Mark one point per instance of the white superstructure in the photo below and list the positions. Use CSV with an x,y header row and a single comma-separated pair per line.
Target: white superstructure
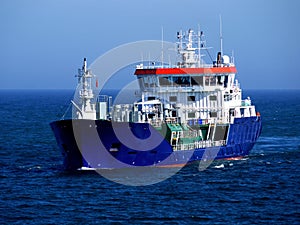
x,y
188,92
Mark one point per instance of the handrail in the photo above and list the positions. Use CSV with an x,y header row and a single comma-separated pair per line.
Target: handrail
x,y
199,144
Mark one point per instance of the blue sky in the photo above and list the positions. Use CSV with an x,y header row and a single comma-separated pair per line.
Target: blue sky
x,y
43,42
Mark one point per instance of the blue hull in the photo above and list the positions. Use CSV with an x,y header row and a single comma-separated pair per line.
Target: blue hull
x,y
95,144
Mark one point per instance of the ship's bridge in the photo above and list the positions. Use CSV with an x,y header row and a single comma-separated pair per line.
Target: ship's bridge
x,y
190,72
194,89
204,78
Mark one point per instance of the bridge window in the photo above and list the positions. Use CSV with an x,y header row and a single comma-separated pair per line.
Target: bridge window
x,y
197,80
210,81
165,81
182,80
154,81
148,81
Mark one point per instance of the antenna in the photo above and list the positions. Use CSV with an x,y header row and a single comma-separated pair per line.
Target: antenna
x,y
142,57
199,46
84,65
221,36
162,46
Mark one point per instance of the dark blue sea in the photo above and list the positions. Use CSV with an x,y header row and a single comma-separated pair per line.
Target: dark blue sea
x,y
263,188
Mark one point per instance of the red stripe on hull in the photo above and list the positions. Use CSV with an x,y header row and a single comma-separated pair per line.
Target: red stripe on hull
x,y
172,165
234,158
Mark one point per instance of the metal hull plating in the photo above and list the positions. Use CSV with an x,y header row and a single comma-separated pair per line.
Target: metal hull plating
x,y
94,144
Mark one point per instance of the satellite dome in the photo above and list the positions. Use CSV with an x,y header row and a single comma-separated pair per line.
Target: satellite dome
x,y
226,59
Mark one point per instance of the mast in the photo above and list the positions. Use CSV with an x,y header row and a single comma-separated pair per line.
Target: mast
x,y
162,47
85,109
221,36
199,46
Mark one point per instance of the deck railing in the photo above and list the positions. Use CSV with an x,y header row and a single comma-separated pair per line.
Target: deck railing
x,y
199,144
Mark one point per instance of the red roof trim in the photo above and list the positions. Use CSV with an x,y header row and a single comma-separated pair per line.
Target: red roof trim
x,y
161,71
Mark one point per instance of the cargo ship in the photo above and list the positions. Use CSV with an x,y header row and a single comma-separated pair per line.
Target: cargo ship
x,y
186,112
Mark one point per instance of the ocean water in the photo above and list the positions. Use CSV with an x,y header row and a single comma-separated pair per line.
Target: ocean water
x,y
263,188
